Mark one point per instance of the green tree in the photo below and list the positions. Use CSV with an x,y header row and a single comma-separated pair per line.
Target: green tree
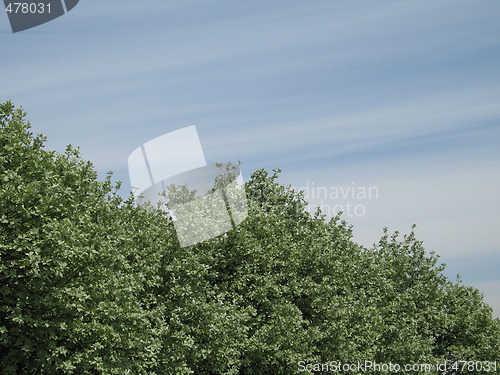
x,y
75,290
90,283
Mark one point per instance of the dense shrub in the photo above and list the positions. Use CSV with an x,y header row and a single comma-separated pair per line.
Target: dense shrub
x,y
91,284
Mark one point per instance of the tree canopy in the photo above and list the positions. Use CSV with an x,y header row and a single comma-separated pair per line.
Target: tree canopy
x,y
92,284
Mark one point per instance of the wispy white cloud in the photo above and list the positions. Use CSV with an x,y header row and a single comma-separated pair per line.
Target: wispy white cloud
x,y
360,129
353,34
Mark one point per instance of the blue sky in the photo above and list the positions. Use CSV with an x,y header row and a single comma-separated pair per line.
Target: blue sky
x,y
401,96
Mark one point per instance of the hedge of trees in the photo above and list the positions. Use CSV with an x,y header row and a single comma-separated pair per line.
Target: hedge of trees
x,y
92,284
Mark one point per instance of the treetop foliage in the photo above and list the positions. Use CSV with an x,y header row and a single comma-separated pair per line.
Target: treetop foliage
x,y
92,284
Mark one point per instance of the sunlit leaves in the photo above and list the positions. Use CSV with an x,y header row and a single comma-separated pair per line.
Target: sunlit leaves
x,y
91,284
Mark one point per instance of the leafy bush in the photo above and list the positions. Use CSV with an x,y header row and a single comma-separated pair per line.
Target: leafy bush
x,y
91,284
